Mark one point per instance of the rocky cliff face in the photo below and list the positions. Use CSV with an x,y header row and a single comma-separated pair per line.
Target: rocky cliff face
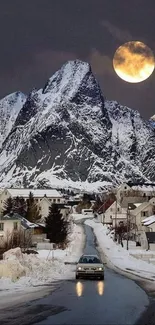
x,y
10,107
66,134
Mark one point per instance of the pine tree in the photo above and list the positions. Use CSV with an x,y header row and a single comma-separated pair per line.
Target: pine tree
x,y
32,213
8,206
20,206
57,227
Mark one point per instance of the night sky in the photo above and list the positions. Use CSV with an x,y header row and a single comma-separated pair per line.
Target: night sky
x,y
38,36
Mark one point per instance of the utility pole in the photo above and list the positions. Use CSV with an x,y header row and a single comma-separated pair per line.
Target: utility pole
x,y
115,217
128,228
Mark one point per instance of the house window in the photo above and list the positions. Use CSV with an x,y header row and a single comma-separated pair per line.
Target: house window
x,y
54,200
36,200
144,213
1,226
15,225
58,200
118,209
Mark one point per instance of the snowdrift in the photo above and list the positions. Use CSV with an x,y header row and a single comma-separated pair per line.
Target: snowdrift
x,y
43,268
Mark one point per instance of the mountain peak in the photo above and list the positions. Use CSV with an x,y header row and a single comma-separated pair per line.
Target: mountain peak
x,y
76,83
72,135
152,118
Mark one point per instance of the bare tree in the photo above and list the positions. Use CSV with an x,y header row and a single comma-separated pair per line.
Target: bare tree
x,y
20,238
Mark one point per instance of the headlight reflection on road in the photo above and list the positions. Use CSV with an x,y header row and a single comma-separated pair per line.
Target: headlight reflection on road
x,y
79,288
100,287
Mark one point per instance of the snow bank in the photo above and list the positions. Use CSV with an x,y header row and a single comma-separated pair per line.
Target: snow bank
x,y
80,218
12,269
32,270
13,254
119,256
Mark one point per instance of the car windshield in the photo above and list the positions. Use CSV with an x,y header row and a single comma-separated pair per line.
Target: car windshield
x,y
89,259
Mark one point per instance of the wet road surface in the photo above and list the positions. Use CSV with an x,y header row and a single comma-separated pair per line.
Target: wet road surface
x,y
116,300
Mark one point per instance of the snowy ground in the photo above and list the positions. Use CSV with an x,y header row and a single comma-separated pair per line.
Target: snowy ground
x,y
80,218
119,256
46,266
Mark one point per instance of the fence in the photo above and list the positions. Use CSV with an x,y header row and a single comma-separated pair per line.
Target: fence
x,y
38,238
45,245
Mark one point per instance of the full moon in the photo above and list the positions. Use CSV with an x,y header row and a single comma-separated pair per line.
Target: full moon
x,y
134,62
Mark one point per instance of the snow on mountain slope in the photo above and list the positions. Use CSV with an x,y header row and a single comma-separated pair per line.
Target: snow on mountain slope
x,y
10,106
132,139
74,82
67,131
152,121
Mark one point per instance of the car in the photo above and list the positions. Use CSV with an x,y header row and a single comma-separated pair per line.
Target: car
x,y
90,266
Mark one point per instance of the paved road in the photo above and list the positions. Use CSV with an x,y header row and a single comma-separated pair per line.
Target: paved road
x,y
116,300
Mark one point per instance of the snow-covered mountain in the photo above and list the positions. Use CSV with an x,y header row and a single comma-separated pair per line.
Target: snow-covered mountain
x,y
152,121
10,106
67,131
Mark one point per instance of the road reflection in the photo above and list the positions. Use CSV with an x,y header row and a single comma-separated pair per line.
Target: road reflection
x,y
100,287
79,288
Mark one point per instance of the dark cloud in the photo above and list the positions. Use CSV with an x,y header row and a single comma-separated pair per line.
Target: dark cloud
x,y
38,36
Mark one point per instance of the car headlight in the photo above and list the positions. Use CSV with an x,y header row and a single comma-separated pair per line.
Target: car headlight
x,y
79,268
100,268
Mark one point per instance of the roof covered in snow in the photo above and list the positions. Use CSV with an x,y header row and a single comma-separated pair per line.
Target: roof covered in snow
x,y
24,222
144,188
148,221
36,192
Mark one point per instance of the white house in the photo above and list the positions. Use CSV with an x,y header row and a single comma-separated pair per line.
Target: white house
x,y
14,223
115,213
138,215
145,190
45,203
126,194
121,190
53,196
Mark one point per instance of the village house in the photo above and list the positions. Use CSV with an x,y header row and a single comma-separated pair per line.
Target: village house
x,y
138,215
53,196
114,214
44,205
126,194
13,223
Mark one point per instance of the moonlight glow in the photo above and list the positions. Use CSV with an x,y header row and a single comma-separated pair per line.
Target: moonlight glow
x,y
134,62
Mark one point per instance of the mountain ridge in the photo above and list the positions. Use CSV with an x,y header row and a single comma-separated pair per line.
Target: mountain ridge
x,y
68,133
